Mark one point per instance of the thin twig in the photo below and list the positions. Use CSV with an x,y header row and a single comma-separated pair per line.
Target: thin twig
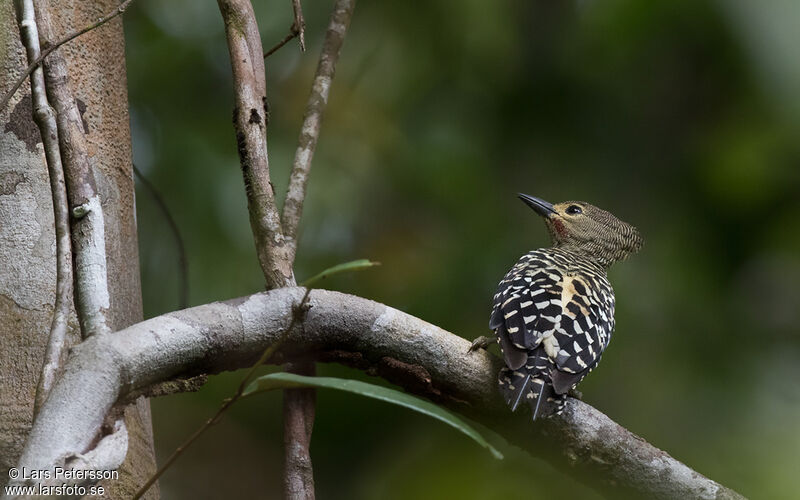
x,y
298,28
45,119
298,314
309,133
183,266
92,299
75,34
292,33
299,25
180,449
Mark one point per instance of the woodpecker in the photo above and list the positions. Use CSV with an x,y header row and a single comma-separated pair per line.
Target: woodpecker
x,y
553,312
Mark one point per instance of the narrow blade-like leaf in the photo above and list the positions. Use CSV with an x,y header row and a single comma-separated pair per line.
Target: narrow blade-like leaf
x,y
355,265
282,380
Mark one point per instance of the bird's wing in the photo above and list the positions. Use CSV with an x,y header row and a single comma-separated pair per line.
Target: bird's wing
x,y
526,300
582,333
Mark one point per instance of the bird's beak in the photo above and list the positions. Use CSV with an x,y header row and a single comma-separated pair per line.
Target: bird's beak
x,y
538,205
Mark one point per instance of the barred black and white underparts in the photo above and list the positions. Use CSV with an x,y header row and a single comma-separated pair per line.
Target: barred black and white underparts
x,y
553,316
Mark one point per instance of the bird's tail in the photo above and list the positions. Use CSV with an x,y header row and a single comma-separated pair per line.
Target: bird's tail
x,y
530,382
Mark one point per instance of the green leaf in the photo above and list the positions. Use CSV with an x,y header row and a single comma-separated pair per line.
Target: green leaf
x,y
283,380
355,265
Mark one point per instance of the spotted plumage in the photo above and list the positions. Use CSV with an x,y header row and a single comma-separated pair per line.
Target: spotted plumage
x,y
553,312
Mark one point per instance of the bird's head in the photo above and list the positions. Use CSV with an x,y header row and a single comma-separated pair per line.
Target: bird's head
x,y
587,230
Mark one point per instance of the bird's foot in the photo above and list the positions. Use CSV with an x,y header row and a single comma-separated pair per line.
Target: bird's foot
x,y
481,343
575,393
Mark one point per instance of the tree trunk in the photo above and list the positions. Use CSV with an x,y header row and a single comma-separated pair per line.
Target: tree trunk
x,y
96,63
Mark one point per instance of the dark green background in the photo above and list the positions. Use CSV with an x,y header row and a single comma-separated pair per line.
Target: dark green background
x,y
679,116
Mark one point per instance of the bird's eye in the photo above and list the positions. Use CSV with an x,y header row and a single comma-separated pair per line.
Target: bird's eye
x,y
574,210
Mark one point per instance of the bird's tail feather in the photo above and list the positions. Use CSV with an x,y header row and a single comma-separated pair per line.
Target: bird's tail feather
x,y
529,382
514,385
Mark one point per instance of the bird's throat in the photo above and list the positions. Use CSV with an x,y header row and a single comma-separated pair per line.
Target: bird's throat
x,y
559,229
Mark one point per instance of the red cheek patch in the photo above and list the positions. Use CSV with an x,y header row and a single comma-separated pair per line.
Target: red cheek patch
x,y
560,228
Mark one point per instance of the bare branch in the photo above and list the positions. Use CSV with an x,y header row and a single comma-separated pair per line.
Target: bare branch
x,y
250,122
298,312
405,350
183,447
299,25
75,34
88,223
309,133
292,33
244,44
299,409
298,28
46,121
299,403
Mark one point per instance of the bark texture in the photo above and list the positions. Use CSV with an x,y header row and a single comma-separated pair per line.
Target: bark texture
x,y
405,350
312,120
45,119
250,122
250,117
85,205
96,68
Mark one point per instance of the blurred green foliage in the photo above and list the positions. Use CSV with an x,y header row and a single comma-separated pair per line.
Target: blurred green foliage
x,y
680,116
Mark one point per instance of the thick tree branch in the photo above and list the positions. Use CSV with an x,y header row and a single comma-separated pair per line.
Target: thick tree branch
x,y
405,350
297,316
250,122
92,299
45,119
88,222
309,133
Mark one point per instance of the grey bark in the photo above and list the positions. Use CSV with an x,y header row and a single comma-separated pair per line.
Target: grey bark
x,y
405,350
312,120
250,123
45,119
27,239
85,207
250,119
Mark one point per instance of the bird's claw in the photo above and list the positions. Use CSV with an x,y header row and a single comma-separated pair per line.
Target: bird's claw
x,y
481,343
575,393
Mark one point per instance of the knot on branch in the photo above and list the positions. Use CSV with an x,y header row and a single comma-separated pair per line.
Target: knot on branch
x,y
81,211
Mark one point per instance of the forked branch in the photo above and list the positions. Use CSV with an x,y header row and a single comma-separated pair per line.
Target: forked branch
x,y
299,403
250,121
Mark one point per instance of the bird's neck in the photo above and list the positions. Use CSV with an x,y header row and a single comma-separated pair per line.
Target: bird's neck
x,y
591,257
